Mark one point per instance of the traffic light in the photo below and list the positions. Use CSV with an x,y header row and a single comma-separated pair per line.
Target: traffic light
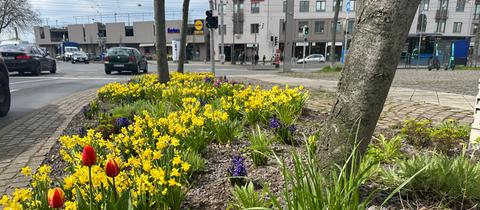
x,y
211,21
209,18
271,38
276,40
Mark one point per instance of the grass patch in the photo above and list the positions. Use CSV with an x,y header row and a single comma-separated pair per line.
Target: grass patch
x,y
337,68
467,68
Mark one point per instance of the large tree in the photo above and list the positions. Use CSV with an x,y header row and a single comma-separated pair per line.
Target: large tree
x,y
161,41
381,30
17,14
183,41
333,31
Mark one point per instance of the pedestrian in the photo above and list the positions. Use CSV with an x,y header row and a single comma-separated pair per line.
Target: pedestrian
x,y
256,58
240,57
264,58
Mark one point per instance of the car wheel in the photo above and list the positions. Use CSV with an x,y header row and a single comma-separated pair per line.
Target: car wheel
x,y
4,96
36,70
135,69
108,71
54,68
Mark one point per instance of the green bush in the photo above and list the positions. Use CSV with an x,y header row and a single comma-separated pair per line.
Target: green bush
x,y
157,109
454,181
259,147
385,151
330,69
417,132
245,197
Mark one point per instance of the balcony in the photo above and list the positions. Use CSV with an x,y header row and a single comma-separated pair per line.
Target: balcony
x,y
441,15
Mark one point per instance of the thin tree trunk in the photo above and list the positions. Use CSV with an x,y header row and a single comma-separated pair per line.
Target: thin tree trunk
x,y
381,30
333,58
183,42
161,41
476,45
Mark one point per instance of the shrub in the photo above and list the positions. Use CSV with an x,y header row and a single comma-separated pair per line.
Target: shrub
x,y
385,151
336,68
245,197
454,181
449,136
259,147
417,132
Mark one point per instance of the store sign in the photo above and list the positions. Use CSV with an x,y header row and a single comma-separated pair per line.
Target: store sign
x,y
198,27
173,30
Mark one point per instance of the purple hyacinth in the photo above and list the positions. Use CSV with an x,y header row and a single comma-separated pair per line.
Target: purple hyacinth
x,y
122,122
274,123
238,166
208,80
292,128
82,132
85,109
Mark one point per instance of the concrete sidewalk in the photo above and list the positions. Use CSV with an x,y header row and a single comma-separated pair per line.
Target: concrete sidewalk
x,y
457,101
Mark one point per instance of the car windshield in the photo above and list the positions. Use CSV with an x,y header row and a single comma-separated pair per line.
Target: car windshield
x,y
15,48
79,54
71,49
119,51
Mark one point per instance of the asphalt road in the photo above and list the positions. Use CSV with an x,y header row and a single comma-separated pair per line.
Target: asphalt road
x,y
30,93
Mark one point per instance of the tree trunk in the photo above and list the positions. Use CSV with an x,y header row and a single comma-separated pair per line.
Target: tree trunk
x,y
333,58
381,30
477,41
183,42
161,41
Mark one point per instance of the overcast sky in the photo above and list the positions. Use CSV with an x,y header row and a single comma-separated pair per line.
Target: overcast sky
x,y
63,12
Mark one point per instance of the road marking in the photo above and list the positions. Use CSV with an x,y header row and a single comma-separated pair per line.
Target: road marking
x,y
29,81
14,90
73,78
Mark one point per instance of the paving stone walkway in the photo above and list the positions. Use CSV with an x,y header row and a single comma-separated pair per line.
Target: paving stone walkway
x,y
28,140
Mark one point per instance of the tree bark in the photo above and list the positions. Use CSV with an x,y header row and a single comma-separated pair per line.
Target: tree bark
x,y
183,41
333,58
381,30
161,41
476,45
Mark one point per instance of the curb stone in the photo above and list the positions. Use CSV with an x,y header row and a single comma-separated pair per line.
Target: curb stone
x,y
27,141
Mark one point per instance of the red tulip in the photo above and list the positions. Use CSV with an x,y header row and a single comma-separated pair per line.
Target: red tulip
x,y
56,198
88,156
111,168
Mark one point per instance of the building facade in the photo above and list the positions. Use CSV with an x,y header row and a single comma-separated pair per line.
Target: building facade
x,y
97,37
251,24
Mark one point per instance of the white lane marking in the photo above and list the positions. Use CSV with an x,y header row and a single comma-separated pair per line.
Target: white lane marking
x,y
14,90
29,81
75,78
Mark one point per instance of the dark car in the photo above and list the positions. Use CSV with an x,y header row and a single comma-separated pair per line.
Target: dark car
x,y
27,58
125,59
4,90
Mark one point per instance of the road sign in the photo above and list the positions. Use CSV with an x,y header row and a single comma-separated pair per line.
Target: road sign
x,y
199,25
348,6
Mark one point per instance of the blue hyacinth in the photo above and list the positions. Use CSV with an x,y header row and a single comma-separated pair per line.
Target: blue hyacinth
x,y
238,166
122,122
274,123
82,132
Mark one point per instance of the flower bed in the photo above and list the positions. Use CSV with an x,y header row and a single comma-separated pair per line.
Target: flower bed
x,y
148,140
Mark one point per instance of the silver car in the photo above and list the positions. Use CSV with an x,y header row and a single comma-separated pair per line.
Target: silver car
x,y
313,58
80,57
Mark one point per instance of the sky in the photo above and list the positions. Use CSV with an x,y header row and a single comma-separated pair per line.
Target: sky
x,y
63,12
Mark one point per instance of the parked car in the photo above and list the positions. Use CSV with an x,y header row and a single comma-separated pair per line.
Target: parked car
x,y
4,89
313,58
125,59
80,57
27,58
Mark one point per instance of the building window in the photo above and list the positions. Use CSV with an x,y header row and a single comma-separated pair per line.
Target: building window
x,y
457,27
441,26
351,24
255,8
460,6
304,6
421,23
319,26
238,29
474,28
300,26
222,29
223,8
284,6
254,28
42,32
335,3
320,6
425,5
444,5
129,31
353,5
339,27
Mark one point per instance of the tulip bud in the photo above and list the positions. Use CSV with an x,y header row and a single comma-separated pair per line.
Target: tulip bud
x,y
56,198
111,168
88,156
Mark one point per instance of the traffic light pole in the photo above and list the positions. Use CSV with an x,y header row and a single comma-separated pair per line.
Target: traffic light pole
x,y
212,43
289,28
222,43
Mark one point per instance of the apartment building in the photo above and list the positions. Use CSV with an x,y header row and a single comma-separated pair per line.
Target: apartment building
x,y
250,24
97,37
